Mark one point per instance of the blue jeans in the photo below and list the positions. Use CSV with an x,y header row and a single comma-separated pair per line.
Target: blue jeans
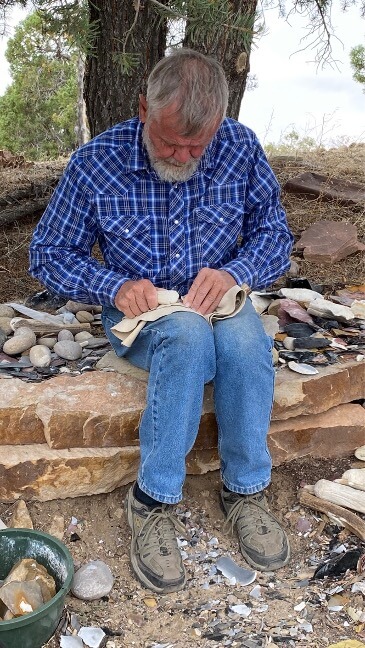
x,y
183,352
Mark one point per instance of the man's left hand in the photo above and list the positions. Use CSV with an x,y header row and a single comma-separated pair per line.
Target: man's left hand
x,y
207,290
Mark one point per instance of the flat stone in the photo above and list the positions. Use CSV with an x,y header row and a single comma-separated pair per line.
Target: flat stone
x,y
334,433
65,413
296,394
35,472
315,185
329,241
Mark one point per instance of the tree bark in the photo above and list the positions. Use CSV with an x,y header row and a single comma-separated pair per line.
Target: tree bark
x,y
111,93
232,49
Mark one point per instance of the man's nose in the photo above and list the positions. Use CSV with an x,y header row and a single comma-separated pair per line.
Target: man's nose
x,y
182,155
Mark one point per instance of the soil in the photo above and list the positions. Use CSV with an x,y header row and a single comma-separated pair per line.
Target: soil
x,y
201,615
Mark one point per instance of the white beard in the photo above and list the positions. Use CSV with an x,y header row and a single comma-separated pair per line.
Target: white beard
x,y
169,170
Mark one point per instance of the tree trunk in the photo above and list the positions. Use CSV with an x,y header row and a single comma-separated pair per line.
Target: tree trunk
x,y
82,130
232,48
111,92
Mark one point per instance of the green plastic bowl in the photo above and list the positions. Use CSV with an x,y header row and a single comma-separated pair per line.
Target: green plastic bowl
x,y
34,629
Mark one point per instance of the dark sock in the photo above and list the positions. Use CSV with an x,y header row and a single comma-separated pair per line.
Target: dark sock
x,y
226,490
143,498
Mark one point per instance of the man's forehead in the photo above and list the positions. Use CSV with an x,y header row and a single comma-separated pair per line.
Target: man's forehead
x,y
167,124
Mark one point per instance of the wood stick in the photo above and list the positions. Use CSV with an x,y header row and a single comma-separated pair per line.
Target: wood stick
x,y
349,520
42,328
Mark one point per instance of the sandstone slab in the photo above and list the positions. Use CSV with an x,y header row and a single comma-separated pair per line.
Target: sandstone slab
x,y
329,241
103,408
296,394
315,185
37,472
335,433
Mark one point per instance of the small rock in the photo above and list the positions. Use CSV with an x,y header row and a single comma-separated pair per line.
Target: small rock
x,y
6,311
68,349
40,356
5,326
48,341
20,518
74,307
83,316
64,335
92,581
57,528
82,336
20,341
3,338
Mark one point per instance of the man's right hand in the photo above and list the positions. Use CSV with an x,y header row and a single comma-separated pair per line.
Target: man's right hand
x,y
136,297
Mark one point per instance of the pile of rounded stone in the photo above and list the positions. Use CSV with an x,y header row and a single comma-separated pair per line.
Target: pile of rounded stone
x,y
16,338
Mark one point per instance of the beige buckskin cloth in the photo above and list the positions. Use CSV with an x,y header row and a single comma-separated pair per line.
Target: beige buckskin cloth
x,y
230,304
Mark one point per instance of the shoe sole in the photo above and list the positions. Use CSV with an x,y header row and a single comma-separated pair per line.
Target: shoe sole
x,y
165,589
273,566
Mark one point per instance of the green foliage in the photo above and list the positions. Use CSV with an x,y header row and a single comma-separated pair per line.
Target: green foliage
x,y
38,110
292,144
357,60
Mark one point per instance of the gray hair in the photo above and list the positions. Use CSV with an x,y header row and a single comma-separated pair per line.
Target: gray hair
x,y
195,82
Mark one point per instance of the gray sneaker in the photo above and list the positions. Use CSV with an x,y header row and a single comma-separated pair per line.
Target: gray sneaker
x,y
262,540
155,556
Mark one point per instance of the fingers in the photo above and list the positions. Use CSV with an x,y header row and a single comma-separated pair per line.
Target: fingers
x,y
207,290
136,297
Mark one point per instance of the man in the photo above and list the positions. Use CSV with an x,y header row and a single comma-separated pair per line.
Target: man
x,y
181,198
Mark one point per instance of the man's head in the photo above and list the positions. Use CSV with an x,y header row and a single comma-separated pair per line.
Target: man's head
x,y
187,97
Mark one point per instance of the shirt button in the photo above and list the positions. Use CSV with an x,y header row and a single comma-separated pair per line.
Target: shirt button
x,y
126,231
176,221
177,256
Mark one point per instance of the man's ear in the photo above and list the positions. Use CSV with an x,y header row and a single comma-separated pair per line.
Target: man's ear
x,y
142,108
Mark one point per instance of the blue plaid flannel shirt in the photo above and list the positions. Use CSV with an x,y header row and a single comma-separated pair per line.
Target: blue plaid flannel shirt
x,y
227,215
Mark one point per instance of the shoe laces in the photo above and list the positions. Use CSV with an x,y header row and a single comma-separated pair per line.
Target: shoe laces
x,y
239,511
164,523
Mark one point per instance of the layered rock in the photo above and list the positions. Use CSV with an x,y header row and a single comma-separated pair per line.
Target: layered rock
x,y
78,435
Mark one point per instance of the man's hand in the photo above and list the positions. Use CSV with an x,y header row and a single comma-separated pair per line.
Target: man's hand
x,y
207,290
136,297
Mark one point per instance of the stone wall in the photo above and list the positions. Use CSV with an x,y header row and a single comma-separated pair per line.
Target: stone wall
x,y
78,435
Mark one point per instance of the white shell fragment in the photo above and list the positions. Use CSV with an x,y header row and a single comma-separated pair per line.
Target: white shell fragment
x,y
358,308
92,637
302,295
71,642
242,610
302,368
230,570
326,308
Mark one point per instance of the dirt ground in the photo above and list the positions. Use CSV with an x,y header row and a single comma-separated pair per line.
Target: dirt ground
x,y
133,616
201,614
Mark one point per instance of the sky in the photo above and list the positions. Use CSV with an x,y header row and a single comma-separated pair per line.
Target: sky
x,y
325,104
293,93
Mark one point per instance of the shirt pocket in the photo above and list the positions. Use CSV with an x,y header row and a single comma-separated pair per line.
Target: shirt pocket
x,y
219,227
125,236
